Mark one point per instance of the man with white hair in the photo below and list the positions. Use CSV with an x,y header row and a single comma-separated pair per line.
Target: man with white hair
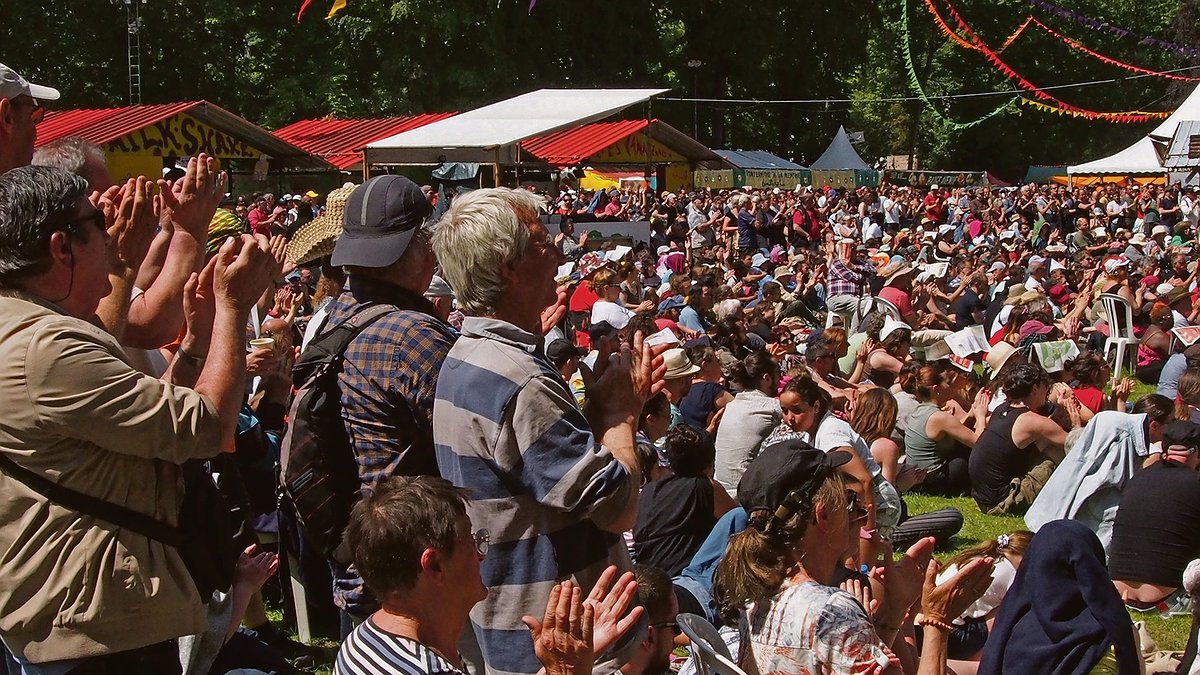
x,y
21,111
79,156
554,487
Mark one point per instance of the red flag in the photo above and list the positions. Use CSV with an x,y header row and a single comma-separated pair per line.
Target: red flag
x,y
303,7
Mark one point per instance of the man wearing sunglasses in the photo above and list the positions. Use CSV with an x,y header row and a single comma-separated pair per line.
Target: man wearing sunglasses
x,y
20,112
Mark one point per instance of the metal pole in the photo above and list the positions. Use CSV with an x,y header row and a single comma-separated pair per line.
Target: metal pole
x,y
695,64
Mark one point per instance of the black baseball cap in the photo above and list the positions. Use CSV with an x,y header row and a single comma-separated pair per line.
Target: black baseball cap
x,y
382,215
560,350
781,469
1181,433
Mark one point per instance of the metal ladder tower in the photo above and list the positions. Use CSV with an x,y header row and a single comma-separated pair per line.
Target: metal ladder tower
x,y
133,23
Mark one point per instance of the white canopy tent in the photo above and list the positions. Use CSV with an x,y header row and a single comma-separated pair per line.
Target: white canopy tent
x,y
1144,158
492,134
1188,110
1141,158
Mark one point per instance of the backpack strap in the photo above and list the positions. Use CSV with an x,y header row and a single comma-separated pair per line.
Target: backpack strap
x,y
337,339
116,514
330,346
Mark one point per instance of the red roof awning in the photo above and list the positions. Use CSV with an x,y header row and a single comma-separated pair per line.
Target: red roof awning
x,y
105,124
340,142
566,148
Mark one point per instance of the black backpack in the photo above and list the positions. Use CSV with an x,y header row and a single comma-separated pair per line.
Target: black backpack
x,y
319,473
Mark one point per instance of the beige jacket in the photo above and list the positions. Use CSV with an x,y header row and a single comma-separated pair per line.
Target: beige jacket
x,y
73,409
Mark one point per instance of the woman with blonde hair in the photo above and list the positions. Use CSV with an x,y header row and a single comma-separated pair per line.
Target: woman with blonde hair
x,y
971,627
609,307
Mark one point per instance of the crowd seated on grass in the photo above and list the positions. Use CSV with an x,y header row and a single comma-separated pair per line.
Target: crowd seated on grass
x,y
472,439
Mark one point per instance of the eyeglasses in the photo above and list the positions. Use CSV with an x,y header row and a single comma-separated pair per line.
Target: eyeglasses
x,y
674,626
96,218
483,540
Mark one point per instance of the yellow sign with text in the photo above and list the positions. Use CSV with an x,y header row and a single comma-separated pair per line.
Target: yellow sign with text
x,y
632,150
181,136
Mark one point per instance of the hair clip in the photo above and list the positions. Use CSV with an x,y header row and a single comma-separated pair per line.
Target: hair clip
x,y
1002,541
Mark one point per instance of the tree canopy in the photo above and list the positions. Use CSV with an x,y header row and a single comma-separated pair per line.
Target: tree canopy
x,y
392,57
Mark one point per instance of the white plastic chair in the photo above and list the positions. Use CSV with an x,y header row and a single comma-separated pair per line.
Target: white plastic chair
x,y
1120,331
888,308
709,653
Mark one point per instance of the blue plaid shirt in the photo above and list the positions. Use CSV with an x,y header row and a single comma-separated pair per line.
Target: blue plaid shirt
x,y
388,382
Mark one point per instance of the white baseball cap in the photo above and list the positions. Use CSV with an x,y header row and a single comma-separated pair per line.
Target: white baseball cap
x,y
1113,263
13,85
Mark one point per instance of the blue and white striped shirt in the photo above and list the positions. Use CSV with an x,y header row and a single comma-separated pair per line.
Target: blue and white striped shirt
x,y
507,428
370,650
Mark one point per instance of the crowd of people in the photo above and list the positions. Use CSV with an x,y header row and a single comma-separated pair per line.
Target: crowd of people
x,y
486,443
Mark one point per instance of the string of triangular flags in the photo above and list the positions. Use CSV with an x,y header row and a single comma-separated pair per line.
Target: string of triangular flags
x,y
1094,24
1109,60
1037,92
1131,117
915,82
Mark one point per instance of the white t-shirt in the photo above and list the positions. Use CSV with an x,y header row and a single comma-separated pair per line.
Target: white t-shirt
x,y
833,433
871,230
1003,575
614,314
891,211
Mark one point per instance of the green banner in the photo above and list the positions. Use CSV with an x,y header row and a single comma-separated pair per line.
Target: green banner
x,y
938,178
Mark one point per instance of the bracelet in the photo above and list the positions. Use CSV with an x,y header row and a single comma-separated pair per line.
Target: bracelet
x,y
190,358
936,623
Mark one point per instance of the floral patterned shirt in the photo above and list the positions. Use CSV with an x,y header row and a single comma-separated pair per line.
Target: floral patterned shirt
x,y
810,629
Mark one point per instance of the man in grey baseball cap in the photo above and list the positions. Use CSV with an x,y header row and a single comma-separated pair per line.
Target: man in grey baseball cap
x,y
20,112
390,370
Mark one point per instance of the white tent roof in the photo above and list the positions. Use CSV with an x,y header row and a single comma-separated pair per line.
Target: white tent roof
x,y
1189,110
840,154
1140,158
491,133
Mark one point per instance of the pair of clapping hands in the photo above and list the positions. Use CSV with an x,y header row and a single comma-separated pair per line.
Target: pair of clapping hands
x,y
574,630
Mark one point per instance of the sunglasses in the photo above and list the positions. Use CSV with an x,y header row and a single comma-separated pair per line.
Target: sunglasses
x,y
37,111
674,626
857,513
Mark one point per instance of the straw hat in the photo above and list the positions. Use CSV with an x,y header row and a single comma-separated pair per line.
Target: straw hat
x,y
895,270
998,356
317,237
678,364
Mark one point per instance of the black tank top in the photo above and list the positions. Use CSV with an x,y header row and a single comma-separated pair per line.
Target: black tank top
x,y
996,460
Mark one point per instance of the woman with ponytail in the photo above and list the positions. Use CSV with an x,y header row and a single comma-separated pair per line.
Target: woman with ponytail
x,y
971,627
778,578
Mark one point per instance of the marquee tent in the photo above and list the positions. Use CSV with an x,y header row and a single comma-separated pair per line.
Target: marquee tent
x,y
1139,159
493,133
1188,110
1146,157
840,154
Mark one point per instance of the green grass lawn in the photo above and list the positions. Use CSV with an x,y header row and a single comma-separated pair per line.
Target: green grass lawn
x,y
1171,634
